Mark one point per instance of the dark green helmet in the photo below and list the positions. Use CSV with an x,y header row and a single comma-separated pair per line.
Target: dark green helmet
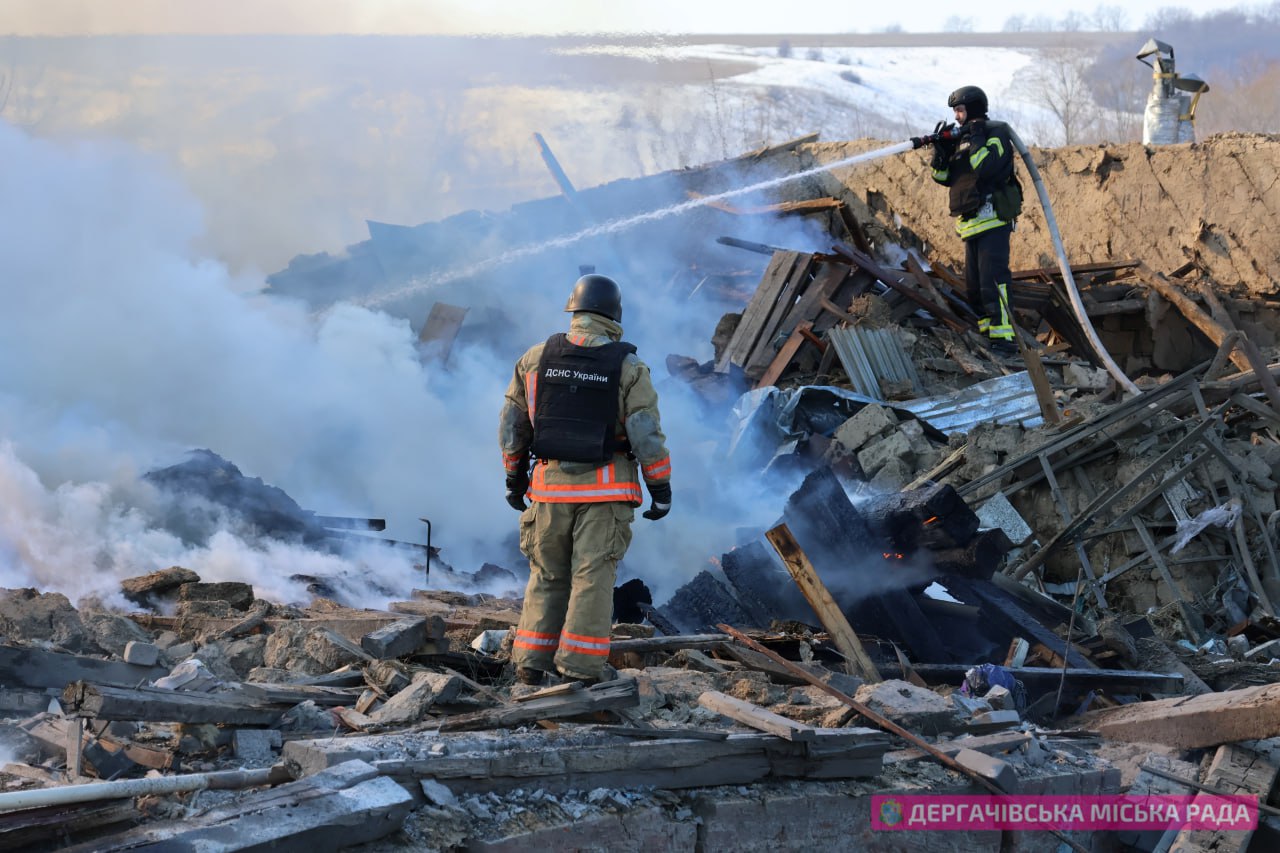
x,y
598,294
973,98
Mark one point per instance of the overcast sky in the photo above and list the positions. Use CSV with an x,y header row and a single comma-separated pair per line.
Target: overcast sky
x,y
76,17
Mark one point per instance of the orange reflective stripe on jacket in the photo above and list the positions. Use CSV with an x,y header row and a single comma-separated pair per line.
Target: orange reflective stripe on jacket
x,y
659,470
531,391
598,646
605,488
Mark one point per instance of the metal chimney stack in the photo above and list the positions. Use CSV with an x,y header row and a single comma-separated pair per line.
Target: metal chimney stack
x,y
1170,116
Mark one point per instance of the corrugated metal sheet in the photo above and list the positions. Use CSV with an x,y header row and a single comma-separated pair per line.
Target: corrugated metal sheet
x,y
1005,400
869,355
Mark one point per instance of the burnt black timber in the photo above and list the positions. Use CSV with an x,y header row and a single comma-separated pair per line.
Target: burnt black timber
x,y
701,603
763,588
660,622
342,522
912,628
46,827
758,248
826,524
1038,678
1007,613
979,559
37,669
156,705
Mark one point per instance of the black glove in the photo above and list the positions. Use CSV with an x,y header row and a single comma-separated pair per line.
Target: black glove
x,y
661,494
517,485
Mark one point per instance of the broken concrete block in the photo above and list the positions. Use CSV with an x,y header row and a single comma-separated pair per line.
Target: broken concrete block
x,y
990,768
1085,378
879,453
996,511
140,589
992,721
27,615
245,654
397,639
914,708
143,654
412,703
893,477
999,698
238,595
331,650
870,422
254,746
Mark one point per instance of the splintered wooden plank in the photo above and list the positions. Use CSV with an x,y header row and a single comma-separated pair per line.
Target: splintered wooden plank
x,y
606,696
154,704
755,717
747,334
763,353
828,276
783,359
828,612
438,333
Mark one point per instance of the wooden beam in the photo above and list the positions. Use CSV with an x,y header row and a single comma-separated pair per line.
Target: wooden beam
x,y
755,717
154,704
783,359
829,613
606,696
1195,722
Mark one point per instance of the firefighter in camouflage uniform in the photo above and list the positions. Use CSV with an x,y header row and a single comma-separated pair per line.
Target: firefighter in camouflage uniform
x,y
583,409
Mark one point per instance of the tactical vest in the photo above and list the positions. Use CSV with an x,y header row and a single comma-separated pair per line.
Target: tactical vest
x,y
576,401
967,198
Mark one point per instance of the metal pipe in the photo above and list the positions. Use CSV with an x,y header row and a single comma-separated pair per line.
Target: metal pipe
x,y
67,794
1076,304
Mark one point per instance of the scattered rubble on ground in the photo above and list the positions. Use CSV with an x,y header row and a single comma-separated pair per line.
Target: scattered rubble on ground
x,y
990,572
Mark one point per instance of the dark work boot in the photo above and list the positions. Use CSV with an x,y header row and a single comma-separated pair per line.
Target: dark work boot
x,y
532,677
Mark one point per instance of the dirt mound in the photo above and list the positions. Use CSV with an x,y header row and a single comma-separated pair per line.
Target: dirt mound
x,y
1215,202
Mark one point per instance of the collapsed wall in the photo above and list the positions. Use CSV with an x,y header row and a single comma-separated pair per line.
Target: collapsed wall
x,y
1215,202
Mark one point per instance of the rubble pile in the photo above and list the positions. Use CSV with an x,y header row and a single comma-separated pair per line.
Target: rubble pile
x,y
990,573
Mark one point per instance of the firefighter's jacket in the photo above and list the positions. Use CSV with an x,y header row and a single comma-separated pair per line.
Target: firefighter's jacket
x,y
619,479
979,168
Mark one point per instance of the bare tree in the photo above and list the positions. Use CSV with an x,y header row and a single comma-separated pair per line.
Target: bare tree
x,y
1056,83
958,24
1109,19
1015,24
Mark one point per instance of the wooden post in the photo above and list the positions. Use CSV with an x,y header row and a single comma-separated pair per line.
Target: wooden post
x,y
75,748
819,598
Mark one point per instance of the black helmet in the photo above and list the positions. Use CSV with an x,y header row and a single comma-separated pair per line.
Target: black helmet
x,y
973,98
598,294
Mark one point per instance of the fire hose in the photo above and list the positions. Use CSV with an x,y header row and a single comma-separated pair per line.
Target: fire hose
x,y
1077,305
